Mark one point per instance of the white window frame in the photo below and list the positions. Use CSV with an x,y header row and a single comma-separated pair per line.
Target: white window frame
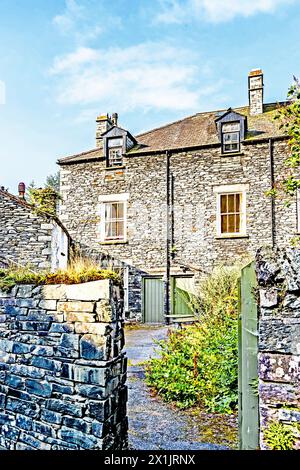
x,y
112,198
234,125
114,144
241,189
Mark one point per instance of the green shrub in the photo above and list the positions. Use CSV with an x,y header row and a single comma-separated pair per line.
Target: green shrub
x,y
279,437
199,364
80,270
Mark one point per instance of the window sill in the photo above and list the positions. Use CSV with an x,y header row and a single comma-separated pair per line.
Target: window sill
x,y
229,236
114,242
115,168
233,154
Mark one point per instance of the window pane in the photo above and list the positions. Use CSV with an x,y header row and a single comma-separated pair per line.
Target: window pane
x,y
223,203
231,127
223,223
115,156
115,143
237,202
234,137
231,202
231,224
237,223
120,211
120,229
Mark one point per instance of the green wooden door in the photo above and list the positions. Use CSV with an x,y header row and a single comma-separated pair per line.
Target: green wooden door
x,y
248,372
180,289
153,300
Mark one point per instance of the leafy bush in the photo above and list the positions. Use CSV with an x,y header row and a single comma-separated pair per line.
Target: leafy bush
x,y
279,437
80,270
199,364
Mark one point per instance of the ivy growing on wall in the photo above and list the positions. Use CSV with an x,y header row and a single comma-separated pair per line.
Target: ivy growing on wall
x,y
289,122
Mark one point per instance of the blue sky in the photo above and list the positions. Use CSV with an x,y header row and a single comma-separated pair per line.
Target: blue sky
x,y
152,61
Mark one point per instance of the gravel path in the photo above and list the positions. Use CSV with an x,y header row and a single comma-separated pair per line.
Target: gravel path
x,y
153,424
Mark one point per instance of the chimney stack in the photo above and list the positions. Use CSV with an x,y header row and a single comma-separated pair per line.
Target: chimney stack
x,y
256,92
21,190
104,123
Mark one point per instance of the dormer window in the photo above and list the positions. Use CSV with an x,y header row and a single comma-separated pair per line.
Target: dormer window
x,y
115,152
231,137
232,128
116,142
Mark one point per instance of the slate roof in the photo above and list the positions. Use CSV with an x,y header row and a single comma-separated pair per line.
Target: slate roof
x,y
193,131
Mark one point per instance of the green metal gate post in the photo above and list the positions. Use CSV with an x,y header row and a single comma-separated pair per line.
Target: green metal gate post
x,y
248,350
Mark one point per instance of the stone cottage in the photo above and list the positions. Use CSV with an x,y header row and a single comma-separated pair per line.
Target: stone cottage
x,y
176,201
27,238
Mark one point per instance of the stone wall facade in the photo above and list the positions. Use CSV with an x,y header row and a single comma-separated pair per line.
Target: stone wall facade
x,y
62,369
28,238
196,174
278,275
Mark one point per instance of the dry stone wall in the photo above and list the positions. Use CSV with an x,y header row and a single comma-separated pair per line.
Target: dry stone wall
x,y
62,369
278,274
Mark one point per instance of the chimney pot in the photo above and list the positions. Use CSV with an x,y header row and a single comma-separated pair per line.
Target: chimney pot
x,y
256,92
115,117
21,190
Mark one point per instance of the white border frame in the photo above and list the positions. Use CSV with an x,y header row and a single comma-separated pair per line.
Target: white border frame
x,y
232,189
103,199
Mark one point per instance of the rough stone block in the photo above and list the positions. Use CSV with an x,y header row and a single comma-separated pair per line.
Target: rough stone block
x,y
43,429
85,374
89,291
92,391
75,306
69,341
24,422
51,417
76,437
48,304
42,351
21,348
104,312
64,407
25,291
276,335
73,317
289,415
63,389
15,382
78,424
93,328
279,393
99,410
93,347
36,387
54,292
45,363
268,297
279,367
61,328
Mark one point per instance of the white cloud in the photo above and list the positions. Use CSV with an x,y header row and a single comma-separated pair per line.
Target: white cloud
x,y
215,11
146,76
85,20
